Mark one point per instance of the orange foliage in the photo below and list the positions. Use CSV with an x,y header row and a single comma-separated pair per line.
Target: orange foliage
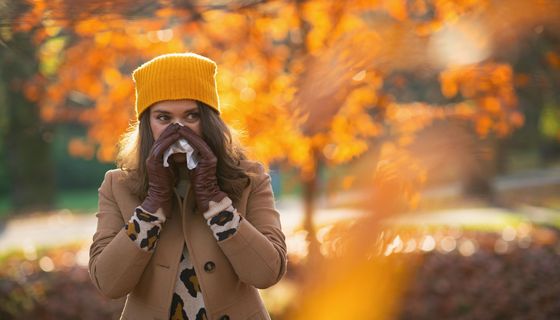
x,y
299,80
80,148
398,177
490,88
553,59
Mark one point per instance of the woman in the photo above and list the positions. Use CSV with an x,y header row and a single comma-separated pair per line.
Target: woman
x,y
182,243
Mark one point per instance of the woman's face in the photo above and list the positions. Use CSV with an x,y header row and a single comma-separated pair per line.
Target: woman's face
x,y
164,113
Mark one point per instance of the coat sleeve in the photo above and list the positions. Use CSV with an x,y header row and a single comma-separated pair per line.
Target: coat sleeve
x,y
116,262
257,250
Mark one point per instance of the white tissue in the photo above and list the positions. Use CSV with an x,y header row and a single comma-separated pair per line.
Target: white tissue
x,y
181,146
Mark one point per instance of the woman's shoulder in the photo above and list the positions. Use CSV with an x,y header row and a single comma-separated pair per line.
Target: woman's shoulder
x,y
257,172
119,174
121,178
253,167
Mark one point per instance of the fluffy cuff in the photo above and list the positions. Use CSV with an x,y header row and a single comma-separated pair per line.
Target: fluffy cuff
x,y
143,228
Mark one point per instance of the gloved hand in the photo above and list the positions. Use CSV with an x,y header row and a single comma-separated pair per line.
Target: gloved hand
x,y
203,176
160,179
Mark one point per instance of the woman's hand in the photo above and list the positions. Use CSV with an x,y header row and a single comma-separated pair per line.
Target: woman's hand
x,y
160,178
203,176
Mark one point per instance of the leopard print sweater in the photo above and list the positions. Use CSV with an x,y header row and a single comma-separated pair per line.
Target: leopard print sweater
x,y
144,227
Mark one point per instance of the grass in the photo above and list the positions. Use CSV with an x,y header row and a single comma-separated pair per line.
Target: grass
x,y
78,201
5,206
475,219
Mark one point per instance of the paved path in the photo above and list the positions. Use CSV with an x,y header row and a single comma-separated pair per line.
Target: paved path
x,y
47,230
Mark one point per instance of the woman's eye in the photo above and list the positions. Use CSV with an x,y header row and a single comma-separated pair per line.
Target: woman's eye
x,y
162,117
193,116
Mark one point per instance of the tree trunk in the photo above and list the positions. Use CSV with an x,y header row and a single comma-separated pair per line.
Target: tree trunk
x,y
310,191
26,142
479,168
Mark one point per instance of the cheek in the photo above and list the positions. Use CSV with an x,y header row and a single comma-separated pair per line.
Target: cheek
x,y
195,127
157,129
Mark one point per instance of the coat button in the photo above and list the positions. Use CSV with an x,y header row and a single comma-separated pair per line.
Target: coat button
x,y
224,317
209,267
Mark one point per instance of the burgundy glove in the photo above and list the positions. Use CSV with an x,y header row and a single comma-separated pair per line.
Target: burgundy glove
x,y
203,176
160,179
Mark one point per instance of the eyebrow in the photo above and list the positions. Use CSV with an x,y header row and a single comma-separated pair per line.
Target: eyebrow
x,y
167,112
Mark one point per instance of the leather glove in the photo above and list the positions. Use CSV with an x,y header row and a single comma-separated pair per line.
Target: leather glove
x,y
160,179
203,176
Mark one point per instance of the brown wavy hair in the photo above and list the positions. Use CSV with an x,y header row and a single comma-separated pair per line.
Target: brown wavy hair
x,y
136,143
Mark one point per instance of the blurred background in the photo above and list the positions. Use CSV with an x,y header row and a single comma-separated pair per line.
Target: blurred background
x,y
413,145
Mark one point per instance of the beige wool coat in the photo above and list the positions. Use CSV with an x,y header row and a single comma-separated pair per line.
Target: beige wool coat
x,y
229,272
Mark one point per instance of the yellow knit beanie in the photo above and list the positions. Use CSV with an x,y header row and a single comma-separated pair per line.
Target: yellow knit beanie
x,y
176,76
